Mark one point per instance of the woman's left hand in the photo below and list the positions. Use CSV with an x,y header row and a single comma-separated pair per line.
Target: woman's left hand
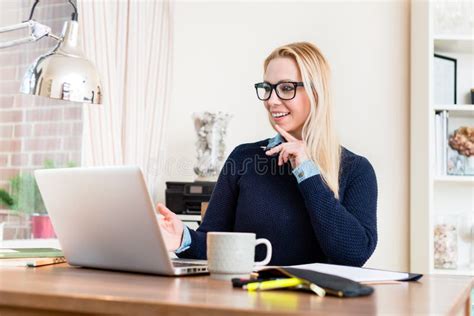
x,y
293,150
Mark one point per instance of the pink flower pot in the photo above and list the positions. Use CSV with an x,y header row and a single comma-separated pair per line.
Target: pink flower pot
x,y
41,227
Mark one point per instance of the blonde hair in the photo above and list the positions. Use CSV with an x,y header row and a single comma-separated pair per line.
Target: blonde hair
x,y
318,130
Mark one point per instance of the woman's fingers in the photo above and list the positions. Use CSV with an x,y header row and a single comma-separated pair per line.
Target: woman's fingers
x,y
293,150
286,152
274,150
163,210
171,227
283,150
285,156
280,157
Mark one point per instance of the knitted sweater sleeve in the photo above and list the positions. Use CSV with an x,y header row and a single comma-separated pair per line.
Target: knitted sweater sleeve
x,y
347,231
220,213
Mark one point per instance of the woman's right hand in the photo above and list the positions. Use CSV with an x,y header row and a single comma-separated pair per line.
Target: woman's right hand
x,y
171,227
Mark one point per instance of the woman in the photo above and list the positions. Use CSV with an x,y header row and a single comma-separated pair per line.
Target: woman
x,y
312,198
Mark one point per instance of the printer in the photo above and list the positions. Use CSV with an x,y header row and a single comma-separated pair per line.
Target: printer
x,y
187,197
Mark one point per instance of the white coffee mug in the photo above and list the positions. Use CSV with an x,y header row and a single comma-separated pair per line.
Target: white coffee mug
x,y
231,255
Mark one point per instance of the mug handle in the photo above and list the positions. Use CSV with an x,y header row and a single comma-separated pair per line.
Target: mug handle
x,y
267,259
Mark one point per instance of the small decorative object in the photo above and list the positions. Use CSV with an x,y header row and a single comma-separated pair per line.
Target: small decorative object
x,y
211,130
461,152
445,69
445,243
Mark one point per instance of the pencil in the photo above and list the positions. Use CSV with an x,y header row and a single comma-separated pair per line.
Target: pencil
x,y
45,261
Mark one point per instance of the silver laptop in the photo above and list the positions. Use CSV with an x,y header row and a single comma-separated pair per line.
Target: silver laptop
x,y
105,218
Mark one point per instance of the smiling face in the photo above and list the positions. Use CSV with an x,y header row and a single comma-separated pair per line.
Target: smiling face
x,y
296,110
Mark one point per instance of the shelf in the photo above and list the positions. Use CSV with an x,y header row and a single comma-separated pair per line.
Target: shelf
x,y
456,109
454,44
455,179
451,37
433,194
462,271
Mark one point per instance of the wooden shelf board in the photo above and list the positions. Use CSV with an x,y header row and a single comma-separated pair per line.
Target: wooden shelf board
x,y
454,44
458,179
441,37
456,109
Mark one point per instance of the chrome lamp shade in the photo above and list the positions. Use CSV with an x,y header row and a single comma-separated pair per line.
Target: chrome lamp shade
x,y
64,73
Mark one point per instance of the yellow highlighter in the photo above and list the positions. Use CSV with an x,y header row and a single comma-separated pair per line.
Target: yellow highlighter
x,y
273,284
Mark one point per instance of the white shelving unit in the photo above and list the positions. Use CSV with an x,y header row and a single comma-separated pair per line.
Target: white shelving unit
x,y
434,195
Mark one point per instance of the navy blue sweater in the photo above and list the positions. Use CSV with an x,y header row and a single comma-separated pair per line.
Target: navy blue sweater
x,y
304,221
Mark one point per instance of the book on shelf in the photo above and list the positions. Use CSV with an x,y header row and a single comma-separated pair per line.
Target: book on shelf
x,y
441,142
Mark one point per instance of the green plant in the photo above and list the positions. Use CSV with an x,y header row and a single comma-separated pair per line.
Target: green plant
x,y
25,196
5,198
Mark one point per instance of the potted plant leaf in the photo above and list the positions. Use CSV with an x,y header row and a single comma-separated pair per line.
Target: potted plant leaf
x,y
25,199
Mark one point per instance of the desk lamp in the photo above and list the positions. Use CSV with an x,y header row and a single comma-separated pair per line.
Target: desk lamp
x,y
63,73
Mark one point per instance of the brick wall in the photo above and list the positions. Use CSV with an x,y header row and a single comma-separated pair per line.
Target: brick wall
x,y
33,129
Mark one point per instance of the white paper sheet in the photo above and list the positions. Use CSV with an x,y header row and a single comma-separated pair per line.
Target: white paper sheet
x,y
353,273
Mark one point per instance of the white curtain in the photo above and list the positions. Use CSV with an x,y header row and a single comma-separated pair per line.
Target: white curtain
x,y
131,44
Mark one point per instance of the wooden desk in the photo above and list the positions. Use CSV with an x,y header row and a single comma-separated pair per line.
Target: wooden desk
x,y
54,290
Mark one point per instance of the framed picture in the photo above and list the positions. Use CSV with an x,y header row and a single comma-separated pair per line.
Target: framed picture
x,y
445,71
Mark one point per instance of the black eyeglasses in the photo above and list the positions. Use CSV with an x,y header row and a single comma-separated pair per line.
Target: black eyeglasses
x,y
285,90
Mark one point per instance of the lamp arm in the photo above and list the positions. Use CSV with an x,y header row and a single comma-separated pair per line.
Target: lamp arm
x,y
14,27
36,30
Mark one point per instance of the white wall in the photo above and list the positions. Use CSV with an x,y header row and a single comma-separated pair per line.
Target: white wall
x,y
218,55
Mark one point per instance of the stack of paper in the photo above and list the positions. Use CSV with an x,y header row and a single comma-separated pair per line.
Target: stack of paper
x,y
363,275
354,273
30,257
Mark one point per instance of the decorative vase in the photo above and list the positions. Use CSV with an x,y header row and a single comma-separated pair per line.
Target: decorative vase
x,y
211,130
459,165
469,165
445,243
